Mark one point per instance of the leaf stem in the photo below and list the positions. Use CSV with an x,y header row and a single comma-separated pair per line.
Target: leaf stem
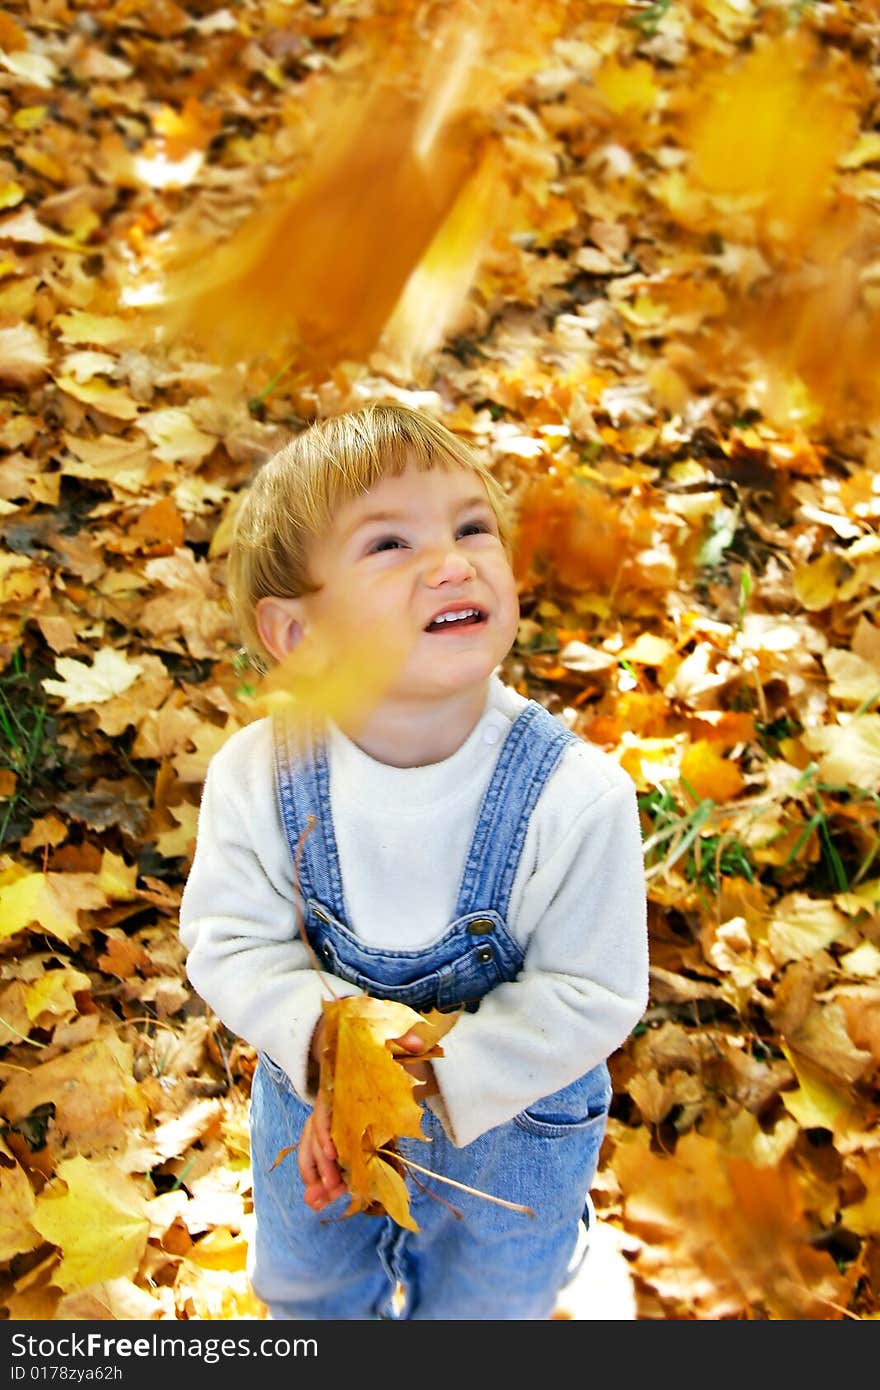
x,y
462,1187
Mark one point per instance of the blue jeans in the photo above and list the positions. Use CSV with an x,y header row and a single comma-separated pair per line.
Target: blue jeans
x,y
488,1262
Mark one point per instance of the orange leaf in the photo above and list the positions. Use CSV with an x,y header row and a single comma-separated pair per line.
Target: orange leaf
x,y
771,131
710,775
327,255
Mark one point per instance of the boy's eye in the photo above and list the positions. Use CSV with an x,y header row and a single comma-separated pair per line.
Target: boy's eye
x,y
384,543
474,528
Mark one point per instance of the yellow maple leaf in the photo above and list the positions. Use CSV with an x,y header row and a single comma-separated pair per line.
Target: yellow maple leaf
x,y
863,1216
97,1217
734,1232
176,843
370,1098
800,927
30,899
92,1087
50,999
117,879
175,436
371,1095
816,585
854,680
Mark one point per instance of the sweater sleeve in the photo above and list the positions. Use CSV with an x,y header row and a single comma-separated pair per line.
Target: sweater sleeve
x,y
584,981
239,913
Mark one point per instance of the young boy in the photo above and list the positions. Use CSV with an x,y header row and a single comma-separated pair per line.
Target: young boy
x,y
467,850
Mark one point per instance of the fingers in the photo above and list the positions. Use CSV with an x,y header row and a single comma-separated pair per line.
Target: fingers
x,y
317,1160
412,1042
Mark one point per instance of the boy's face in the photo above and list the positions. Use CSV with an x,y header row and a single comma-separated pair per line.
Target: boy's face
x,y
419,561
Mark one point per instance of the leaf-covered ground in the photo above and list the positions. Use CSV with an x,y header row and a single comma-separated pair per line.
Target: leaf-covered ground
x,y
647,264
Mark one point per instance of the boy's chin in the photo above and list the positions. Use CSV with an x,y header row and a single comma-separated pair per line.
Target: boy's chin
x,y
474,684
445,683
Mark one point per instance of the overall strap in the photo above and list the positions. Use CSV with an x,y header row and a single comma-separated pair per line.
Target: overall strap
x,y
530,754
303,786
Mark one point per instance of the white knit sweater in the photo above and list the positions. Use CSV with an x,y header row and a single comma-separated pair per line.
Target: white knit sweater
x,y
577,908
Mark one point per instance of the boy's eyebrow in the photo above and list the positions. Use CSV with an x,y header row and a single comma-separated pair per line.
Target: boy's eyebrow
x,y
461,506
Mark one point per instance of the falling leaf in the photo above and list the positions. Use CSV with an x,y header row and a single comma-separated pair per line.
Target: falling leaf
x,y
329,252
771,130
341,676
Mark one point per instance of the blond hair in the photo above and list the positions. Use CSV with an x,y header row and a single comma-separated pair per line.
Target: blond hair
x,y
293,496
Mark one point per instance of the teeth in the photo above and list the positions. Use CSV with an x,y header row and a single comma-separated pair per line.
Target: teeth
x,y
457,617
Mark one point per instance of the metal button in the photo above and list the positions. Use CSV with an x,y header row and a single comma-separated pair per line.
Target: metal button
x,y
485,953
480,926
326,953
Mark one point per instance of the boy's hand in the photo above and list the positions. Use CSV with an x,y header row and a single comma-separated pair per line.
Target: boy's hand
x,y
316,1156
422,1072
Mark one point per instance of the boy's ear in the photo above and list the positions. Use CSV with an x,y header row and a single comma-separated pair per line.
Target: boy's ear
x,y
281,625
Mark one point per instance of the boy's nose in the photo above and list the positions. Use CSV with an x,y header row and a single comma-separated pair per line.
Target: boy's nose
x,y
448,567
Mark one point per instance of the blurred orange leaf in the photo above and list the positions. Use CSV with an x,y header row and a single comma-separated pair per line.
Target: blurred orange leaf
x,y
709,774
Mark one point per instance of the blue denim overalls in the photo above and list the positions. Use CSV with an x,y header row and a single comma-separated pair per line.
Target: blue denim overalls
x,y
491,1263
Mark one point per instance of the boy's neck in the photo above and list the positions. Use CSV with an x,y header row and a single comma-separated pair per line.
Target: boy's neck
x,y
417,733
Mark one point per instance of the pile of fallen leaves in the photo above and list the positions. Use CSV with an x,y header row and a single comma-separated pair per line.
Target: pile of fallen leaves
x,y
643,282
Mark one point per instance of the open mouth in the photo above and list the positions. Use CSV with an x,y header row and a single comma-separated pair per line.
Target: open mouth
x,y
455,621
